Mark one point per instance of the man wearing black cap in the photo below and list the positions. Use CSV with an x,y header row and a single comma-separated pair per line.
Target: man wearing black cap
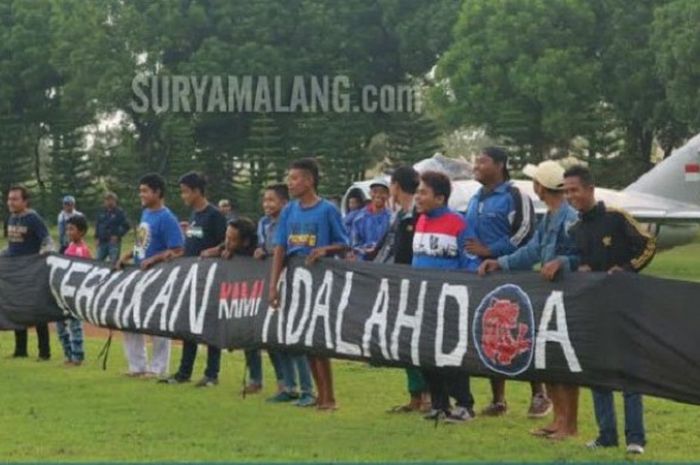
x,y
502,220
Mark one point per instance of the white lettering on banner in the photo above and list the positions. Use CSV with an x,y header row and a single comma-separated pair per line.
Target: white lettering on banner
x,y
302,276
95,307
321,310
133,309
378,319
342,346
281,288
410,322
555,303
86,291
117,296
162,300
55,263
68,290
196,318
461,295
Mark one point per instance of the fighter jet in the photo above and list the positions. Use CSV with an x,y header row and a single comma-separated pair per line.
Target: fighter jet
x,y
666,199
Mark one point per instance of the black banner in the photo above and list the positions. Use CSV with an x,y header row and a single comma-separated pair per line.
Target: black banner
x,y
620,331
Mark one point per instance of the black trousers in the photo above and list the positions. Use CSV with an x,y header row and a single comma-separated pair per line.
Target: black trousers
x,y
42,333
444,383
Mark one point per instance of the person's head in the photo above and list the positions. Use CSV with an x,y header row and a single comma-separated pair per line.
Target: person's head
x,y
275,198
76,228
241,236
302,177
579,188
491,166
110,200
433,191
403,180
192,188
17,199
355,200
379,194
151,190
547,179
68,204
225,206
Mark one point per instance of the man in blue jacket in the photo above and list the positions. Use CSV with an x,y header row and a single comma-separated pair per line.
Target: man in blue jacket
x,y
501,220
372,222
553,247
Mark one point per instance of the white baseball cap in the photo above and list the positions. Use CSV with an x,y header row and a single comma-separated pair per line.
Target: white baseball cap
x,y
549,174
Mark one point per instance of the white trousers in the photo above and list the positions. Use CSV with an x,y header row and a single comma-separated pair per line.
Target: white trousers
x,y
135,351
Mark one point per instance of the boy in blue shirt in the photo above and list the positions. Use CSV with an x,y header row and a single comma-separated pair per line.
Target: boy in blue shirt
x,y
312,227
158,239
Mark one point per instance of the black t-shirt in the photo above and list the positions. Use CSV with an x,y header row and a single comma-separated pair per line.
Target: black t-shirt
x,y
207,229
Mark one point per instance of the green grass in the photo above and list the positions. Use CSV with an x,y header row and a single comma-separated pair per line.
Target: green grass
x,y
51,413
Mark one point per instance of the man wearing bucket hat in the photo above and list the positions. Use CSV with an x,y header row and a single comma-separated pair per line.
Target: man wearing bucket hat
x,y
372,223
554,248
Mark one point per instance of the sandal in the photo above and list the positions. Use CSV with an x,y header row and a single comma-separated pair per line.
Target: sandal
x,y
407,408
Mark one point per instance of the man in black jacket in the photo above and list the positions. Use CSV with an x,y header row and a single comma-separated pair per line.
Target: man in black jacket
x,y
397,247
610,241
110,227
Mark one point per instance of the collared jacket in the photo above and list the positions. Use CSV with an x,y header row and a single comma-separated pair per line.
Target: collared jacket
x,y
503,220
609,237
368,229
552,240
439,241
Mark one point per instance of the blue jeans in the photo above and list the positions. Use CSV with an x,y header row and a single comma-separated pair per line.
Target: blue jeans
x,y
108,250
604,406
253,360
292,365
189,354
276,365
70,332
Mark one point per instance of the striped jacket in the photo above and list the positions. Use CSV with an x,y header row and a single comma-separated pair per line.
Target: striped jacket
x,y
439,241
608,237
503,219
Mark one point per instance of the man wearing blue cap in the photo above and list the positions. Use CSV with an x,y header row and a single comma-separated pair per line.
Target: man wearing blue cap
x,y
67,212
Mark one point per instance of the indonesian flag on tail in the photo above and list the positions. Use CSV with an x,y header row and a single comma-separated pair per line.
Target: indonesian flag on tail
x,y
692,172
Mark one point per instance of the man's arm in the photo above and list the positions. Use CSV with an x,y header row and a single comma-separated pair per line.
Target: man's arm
x,y
643,245
278,257
123,224
164,256
525,257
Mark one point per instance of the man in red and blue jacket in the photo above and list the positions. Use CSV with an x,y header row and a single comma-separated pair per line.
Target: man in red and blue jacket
x,y
439,243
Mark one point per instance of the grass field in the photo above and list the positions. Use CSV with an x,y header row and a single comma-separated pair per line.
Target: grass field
x,y
52,413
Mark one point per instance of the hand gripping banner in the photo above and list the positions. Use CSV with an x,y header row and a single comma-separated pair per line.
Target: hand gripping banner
x,y
620,331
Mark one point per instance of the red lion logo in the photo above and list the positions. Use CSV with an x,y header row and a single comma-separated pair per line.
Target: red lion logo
x,y
498,323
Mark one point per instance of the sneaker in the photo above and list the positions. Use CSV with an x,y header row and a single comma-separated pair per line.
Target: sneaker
x,y
495,409
174,379
284,396
460,415
597,444
435,415
306,400
637,449
207,382
540,406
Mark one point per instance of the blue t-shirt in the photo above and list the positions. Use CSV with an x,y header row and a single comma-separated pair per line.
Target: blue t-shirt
x,y
25,234
158,231
302,229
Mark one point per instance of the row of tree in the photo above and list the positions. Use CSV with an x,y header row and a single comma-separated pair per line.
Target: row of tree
x,y
608,79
